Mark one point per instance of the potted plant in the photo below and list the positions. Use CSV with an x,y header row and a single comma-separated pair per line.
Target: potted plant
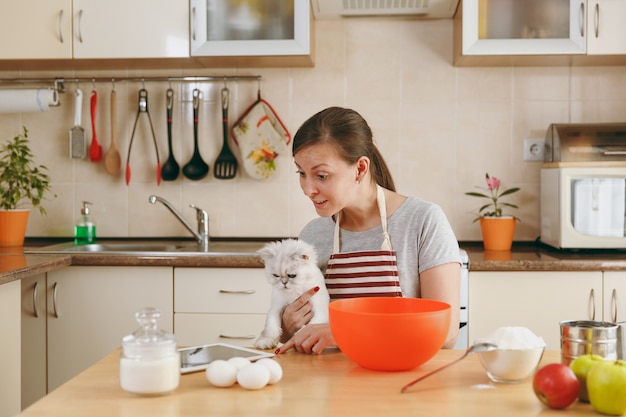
x,y
497,228
23,185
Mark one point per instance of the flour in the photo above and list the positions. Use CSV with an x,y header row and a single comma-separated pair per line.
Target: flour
x,y
515,337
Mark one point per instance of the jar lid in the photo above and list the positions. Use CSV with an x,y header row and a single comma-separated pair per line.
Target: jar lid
x,y
148,339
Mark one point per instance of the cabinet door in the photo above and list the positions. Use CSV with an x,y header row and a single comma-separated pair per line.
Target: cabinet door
x,y
614,296
225,305
34,366
90,310
10,357
606,31
232,28
523,27
221,290
32,29
131,29
537,300
202,329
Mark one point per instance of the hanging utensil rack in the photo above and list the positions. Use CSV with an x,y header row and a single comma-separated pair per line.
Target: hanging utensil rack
x,y
59,83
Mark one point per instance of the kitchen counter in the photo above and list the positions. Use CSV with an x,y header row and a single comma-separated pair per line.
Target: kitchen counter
x,y
14,264
537,257
324,385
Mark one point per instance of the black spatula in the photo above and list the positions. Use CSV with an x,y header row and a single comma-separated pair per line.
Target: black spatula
x,y
225,166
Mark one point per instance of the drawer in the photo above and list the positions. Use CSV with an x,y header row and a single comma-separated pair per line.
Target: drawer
x,y
221,290
202,329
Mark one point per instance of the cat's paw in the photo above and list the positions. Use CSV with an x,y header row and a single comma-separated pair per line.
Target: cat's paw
x,y
265,343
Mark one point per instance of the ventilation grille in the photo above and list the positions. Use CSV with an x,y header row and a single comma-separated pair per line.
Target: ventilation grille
x,y
420,8
384,6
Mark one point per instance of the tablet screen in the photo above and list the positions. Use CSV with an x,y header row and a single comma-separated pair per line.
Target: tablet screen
x,y
197,358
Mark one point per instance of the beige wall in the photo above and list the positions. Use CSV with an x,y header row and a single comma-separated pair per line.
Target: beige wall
x,y
440,127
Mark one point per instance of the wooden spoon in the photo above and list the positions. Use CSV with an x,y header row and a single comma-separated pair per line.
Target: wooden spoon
x,y
112,158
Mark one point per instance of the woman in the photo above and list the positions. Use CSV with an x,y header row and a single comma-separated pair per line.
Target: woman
x,y
350,185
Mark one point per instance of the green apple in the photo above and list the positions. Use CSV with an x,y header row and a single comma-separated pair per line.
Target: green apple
x,y
606,383
581,367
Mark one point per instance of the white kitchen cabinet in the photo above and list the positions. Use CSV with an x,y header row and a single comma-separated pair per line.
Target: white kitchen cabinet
x,y
606,31
230,28
34,29
614,296
540,32
90,310
34,353
214,305
10,349
131,29
523,27
94,29
537,300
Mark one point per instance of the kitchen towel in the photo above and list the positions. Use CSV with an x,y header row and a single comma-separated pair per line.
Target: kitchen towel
x,y
22,100
260,136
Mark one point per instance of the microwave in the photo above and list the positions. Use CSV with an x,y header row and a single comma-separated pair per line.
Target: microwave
x,y
583,187
583,207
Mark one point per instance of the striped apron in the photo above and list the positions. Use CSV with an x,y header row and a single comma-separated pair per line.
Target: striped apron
x,y
370,273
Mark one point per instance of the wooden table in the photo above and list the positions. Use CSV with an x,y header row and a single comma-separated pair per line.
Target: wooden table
x,y
324,385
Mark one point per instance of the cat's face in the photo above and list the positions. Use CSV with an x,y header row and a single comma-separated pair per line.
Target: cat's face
x,y
284,262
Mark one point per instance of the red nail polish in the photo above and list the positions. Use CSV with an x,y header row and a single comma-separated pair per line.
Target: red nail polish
x,y
316,289
277,351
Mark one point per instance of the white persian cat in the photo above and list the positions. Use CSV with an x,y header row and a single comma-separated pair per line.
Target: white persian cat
x,y
291,268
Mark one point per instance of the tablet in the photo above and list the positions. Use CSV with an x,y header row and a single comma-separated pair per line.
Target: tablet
x,y
198,358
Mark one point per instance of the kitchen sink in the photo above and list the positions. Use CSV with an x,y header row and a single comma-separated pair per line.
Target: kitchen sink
x,y
155,248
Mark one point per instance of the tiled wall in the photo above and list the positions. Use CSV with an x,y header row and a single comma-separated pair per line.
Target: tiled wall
x,y
440,127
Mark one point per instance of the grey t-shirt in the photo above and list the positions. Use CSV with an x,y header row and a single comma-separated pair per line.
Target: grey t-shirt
x,y
420,234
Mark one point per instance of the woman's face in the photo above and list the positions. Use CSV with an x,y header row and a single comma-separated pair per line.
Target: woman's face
x,y
328,180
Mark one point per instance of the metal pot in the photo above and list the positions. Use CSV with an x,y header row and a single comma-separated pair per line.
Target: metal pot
x,y
579,337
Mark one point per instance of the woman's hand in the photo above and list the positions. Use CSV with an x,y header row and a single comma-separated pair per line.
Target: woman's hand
x,y
297,314
313,338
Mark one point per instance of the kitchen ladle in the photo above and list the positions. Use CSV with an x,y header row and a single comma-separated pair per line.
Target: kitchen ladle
x,y
196,168
476,347
170,169
112,158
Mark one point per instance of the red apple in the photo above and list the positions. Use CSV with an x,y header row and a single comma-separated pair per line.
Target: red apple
x,y
556,385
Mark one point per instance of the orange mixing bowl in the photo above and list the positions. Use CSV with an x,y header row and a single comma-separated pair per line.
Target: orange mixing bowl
x,y
389,333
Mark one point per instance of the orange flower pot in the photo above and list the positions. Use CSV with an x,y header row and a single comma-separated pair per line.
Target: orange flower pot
x,y
13,227
498,232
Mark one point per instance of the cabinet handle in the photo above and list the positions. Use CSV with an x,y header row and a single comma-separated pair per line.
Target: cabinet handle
x,y
581,19
225,336
54,300
193,23
60,26
237,291
614,305
80,32
596,20
35,311
592,305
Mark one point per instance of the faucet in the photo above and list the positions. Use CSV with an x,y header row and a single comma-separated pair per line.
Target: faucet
x,y
202,235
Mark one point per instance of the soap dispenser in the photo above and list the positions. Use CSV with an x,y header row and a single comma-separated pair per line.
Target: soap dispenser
x,y
85,228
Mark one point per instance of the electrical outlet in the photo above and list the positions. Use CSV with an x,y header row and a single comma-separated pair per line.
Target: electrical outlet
x,y
534,149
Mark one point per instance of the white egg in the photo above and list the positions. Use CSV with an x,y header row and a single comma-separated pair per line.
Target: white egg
x,y
253,376
221,373
239,362
276,371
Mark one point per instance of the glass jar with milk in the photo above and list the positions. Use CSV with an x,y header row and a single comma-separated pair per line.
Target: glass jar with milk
x,y
149,363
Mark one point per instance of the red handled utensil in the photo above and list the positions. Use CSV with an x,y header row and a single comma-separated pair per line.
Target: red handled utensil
x,y
95,150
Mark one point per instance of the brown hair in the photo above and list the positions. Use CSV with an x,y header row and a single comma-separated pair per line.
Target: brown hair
x,y
349,133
